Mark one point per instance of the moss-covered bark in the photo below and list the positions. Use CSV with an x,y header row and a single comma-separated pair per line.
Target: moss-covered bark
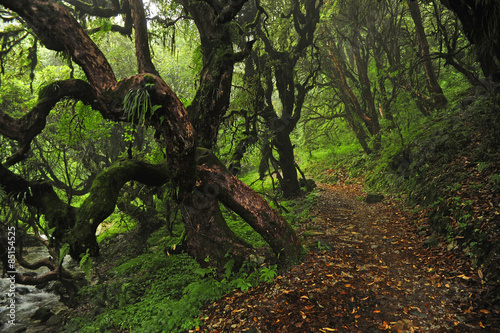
x,y
103,196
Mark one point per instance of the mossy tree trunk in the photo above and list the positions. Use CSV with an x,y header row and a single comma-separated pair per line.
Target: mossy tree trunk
x,y
207,233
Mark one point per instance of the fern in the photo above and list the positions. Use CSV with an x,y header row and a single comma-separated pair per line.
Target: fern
x,y
137,104
86,264
63,252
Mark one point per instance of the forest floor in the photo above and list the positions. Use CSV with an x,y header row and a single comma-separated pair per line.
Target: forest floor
x,y
369,269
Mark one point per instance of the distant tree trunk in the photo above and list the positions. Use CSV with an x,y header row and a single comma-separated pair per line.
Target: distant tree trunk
x,y
290,184
278,70
438,99
366,92
351,103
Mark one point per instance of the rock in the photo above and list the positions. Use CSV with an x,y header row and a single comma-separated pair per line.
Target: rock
x,y
312,233
55,320
417,313
22,290
317,220
259,260
17,328
309,184
373,198
251,330
431,241
404,325
43,314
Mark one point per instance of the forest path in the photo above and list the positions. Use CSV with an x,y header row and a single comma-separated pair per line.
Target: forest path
x,y
367,271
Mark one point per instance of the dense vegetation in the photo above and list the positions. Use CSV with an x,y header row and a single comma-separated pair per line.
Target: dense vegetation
x,y
187,135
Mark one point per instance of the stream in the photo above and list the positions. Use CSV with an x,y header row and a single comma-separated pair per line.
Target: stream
x,y
29,299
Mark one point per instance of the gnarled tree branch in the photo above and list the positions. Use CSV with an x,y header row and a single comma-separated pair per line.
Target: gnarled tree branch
x,y
24,129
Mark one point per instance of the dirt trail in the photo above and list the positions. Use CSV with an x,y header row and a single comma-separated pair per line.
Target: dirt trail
x,y
367,271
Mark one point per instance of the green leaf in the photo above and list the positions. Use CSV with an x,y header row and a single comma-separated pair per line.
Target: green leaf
x,y
86,264
63,252
51,231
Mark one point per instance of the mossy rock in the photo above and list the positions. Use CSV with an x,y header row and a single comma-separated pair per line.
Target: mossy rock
x,y
374,198
43,314
312,233
431,241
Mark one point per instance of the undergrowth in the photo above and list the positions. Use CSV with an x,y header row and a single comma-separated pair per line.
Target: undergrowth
x,y
154,292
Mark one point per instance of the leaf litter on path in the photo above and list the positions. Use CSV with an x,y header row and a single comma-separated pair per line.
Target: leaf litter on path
x,y
369,273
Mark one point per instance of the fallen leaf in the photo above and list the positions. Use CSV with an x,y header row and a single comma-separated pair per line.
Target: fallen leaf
x,y
384,326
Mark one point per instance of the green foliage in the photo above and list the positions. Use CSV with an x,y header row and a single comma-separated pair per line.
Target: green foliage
x,y
114,225
299,210
156,293
495,181
86,264
242,229
63,252
267,274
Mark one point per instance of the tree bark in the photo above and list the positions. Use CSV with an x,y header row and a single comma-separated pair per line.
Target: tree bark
x,y
289,182
143,54
480,23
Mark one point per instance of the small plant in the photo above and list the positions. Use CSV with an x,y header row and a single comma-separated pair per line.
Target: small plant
x,y
495,181
268,273
243,284
482,166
